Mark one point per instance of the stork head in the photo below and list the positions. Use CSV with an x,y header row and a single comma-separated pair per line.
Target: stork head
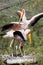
x,y
21,13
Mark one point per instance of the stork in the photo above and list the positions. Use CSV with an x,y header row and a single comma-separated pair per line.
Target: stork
x,y
16,28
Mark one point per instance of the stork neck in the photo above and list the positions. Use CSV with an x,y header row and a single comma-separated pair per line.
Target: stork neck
x,y
24,20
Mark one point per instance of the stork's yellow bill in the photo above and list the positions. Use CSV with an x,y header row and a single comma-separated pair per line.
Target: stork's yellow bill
x,y
29,36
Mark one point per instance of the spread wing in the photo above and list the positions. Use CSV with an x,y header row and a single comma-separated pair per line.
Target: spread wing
x,y
14,26
35,19
5,27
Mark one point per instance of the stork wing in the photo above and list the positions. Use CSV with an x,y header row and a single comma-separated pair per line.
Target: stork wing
x,y
6,26
35,19
13,26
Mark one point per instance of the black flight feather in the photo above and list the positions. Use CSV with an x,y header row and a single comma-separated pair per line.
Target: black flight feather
x,y
35,20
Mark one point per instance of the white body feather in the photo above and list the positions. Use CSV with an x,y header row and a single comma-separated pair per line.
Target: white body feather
x,y
9,34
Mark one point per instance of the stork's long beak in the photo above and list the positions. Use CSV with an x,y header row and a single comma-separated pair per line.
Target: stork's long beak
x,y
29,37
20,14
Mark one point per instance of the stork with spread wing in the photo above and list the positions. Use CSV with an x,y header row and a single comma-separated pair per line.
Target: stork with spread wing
x,y
19,30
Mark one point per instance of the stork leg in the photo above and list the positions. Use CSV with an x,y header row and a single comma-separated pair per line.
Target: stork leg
x,y
11,44
16,49
21,47
21,50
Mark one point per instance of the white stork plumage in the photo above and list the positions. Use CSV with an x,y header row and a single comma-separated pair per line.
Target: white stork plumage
x,y
31,21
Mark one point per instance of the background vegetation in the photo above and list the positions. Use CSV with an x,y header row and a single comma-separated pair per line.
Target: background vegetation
x,y
8,9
